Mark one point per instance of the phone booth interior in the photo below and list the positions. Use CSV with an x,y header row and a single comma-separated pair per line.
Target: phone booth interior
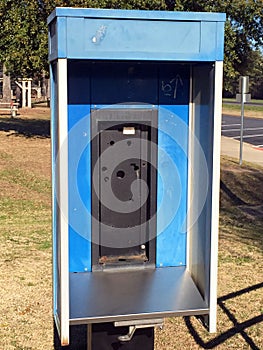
x,y
136,110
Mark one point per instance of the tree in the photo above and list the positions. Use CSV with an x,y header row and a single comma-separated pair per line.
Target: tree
x,y
23,36
243,32
253,67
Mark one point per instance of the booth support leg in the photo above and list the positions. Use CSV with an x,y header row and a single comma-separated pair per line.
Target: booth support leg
x,y
107,336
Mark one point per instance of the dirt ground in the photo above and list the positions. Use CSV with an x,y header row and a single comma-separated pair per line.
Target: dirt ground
x,y
26,252
247,113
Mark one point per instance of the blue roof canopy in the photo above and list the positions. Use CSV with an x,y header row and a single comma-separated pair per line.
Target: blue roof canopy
x,y
78,33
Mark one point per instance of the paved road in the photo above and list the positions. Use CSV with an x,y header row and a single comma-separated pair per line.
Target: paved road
x,y
253,129
238,103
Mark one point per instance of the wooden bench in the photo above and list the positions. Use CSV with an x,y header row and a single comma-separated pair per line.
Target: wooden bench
x,y
10,107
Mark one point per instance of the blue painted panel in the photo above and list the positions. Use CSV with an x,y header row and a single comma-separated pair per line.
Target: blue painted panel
x,y
78,82
106,37
62,37
125,82
169,86
174,84
76,37
139,35
220,41
79,166
79,188
172,185
172,165
212,42
53,40
137,14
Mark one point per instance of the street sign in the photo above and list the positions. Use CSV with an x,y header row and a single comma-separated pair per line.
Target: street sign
x,y
243,85
246,98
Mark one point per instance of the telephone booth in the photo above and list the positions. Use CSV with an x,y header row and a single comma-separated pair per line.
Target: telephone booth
x,y
136,120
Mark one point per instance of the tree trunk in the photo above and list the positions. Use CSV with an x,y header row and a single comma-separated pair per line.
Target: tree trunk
x,y
6,86
44,85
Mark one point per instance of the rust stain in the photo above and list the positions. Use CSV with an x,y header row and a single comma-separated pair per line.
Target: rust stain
x,y
64,341
123,258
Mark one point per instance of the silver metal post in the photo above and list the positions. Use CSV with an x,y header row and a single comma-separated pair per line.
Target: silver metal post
x,y
241,130
243,91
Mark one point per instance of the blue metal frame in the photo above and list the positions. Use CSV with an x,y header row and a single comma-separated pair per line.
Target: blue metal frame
x,y
136,14
100,35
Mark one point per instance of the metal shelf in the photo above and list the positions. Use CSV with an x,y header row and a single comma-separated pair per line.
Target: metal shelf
x,y
118,295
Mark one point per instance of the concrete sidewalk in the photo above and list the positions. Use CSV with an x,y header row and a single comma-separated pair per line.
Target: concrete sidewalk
x,y
230,147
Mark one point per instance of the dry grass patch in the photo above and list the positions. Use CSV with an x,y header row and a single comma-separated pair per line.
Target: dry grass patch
x,y
240,306
25,241
25,254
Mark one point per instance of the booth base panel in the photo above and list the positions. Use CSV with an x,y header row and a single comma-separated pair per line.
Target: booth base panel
x,y
123,295
104,336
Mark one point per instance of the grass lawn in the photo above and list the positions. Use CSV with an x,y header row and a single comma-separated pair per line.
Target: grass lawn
x,y
249,111
25,249
252,100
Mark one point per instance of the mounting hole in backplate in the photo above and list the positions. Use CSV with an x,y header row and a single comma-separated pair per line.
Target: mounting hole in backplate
x,y
120,174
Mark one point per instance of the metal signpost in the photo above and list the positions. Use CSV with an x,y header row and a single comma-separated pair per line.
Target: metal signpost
x,y
136,101
242,97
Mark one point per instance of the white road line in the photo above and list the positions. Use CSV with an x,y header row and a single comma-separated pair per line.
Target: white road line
x,y
231,125
247,129
247,136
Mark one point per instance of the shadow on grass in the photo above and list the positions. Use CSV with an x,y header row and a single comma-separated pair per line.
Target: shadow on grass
x,y
236,200
26,127
238,327
241,206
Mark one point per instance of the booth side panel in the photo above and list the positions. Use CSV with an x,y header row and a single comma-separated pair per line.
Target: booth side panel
x,y
215,194
220,45
62,37
62,196
79,165
201,183
52,42
59,198
172,165
54,151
